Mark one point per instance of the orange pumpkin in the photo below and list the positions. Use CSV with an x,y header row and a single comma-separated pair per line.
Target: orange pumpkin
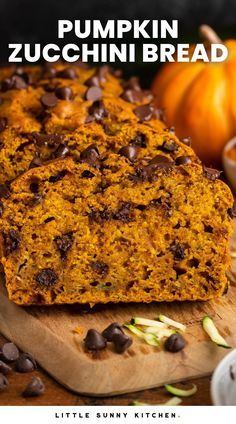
x,y
199,100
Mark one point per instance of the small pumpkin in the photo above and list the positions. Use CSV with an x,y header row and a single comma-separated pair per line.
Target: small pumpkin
x,y
199,100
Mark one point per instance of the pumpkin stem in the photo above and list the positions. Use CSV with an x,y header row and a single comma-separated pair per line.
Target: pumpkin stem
x,y
209,35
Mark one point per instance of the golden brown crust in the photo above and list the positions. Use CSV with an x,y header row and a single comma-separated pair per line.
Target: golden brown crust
x,y
25,112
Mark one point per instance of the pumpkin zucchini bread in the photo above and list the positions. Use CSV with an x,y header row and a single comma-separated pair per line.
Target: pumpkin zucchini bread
x,y
99,202
117,227
42,107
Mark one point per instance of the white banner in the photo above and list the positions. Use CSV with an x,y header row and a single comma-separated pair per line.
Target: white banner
x,y
116,414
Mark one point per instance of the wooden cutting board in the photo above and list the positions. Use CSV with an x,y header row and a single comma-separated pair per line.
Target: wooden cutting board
x,y
48,333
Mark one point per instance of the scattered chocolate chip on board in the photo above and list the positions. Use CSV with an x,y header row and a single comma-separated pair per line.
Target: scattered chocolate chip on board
x,y
9,352
34,388
3,383
175,343
25,363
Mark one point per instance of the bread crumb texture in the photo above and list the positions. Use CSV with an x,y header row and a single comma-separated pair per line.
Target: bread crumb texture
x,y
100,202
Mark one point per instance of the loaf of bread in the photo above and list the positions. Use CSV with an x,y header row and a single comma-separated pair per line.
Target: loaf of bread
x,y
42,107
108,205
109,228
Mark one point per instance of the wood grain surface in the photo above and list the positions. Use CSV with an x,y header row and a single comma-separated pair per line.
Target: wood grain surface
x,y
57,395
48,333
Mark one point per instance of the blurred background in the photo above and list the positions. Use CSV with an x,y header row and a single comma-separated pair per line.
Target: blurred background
x,y
30,21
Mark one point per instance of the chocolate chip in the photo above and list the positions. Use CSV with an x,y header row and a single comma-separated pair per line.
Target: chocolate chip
x,y
211,173
46,278
3,383
130,152
6,84
50,73
4,191
25,363
11,241
121,342
160,161
102,72
183,160
64,93
111,330
59,176
93,81
98,78
169,146
186,141
99,216
141,207
49,219
178,251
50,140
18,83
97,112
62,151
193,263
3,124
87,174
64,244
100,267
68,73
49,100
40,139
36,162
232,211
94,340
26,77
147,173
9,352
93,94
144,112
140,140
90,155
1,209
14,82
124,213
4,368
34,388
175,343
35,200
34,186
133,96
132,83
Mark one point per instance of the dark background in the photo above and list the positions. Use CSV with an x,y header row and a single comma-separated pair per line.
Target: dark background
x,y
35,21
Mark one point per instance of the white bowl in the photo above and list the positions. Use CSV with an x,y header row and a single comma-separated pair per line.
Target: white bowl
x,y
230,164
223,385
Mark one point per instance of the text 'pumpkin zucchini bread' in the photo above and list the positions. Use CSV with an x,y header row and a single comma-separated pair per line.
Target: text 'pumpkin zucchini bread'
x,y
138,224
